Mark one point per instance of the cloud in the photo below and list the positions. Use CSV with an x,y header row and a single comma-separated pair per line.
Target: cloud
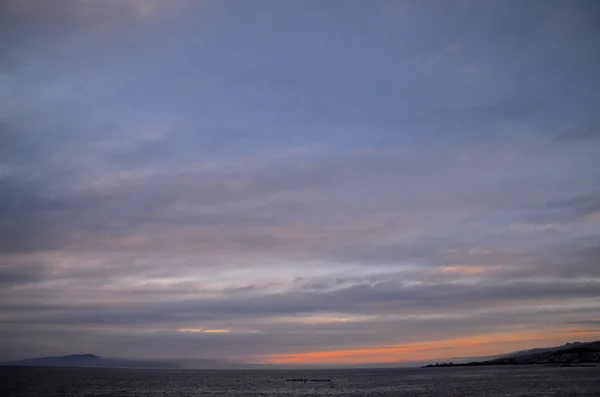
x,y
533,228
390,296
579,205
587,134
169,175
205,331
12,275
465,269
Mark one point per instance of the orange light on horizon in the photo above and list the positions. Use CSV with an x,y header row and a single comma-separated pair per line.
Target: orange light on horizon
x,y
475,345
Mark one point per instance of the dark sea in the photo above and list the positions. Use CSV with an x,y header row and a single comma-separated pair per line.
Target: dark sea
x,y
475,381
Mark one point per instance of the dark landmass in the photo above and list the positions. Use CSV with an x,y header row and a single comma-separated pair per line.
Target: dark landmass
x,y
569,355
91,360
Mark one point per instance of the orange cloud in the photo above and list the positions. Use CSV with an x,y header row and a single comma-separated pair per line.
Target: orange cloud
x,y
204,330
465,269
476,345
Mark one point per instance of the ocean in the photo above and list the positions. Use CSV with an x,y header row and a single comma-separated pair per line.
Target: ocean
x,y
459,381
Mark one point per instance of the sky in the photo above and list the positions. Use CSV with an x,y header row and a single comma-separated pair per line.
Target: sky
x,y
298,182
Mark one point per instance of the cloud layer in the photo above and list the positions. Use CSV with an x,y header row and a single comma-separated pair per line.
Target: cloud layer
x,y
310,183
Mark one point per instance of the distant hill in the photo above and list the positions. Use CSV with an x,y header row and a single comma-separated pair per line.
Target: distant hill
x,y
570,354
91,360
544,350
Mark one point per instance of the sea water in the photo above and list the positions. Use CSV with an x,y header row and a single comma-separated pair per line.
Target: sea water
x,y
460,381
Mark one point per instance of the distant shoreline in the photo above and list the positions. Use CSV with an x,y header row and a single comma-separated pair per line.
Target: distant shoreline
x,y
583,355
564,365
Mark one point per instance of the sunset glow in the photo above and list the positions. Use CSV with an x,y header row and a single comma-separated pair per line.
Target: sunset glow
x,y
476,345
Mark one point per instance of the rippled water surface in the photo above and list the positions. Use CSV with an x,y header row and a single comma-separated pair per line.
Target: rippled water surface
x,y
481,381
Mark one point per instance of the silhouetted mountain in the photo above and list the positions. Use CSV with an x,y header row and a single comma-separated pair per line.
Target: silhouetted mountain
x,y
543,350
91,360
569,354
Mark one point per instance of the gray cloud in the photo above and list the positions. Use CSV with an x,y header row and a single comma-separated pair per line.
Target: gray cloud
x,y
286,337
383,297
14,276
581,206
587,134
